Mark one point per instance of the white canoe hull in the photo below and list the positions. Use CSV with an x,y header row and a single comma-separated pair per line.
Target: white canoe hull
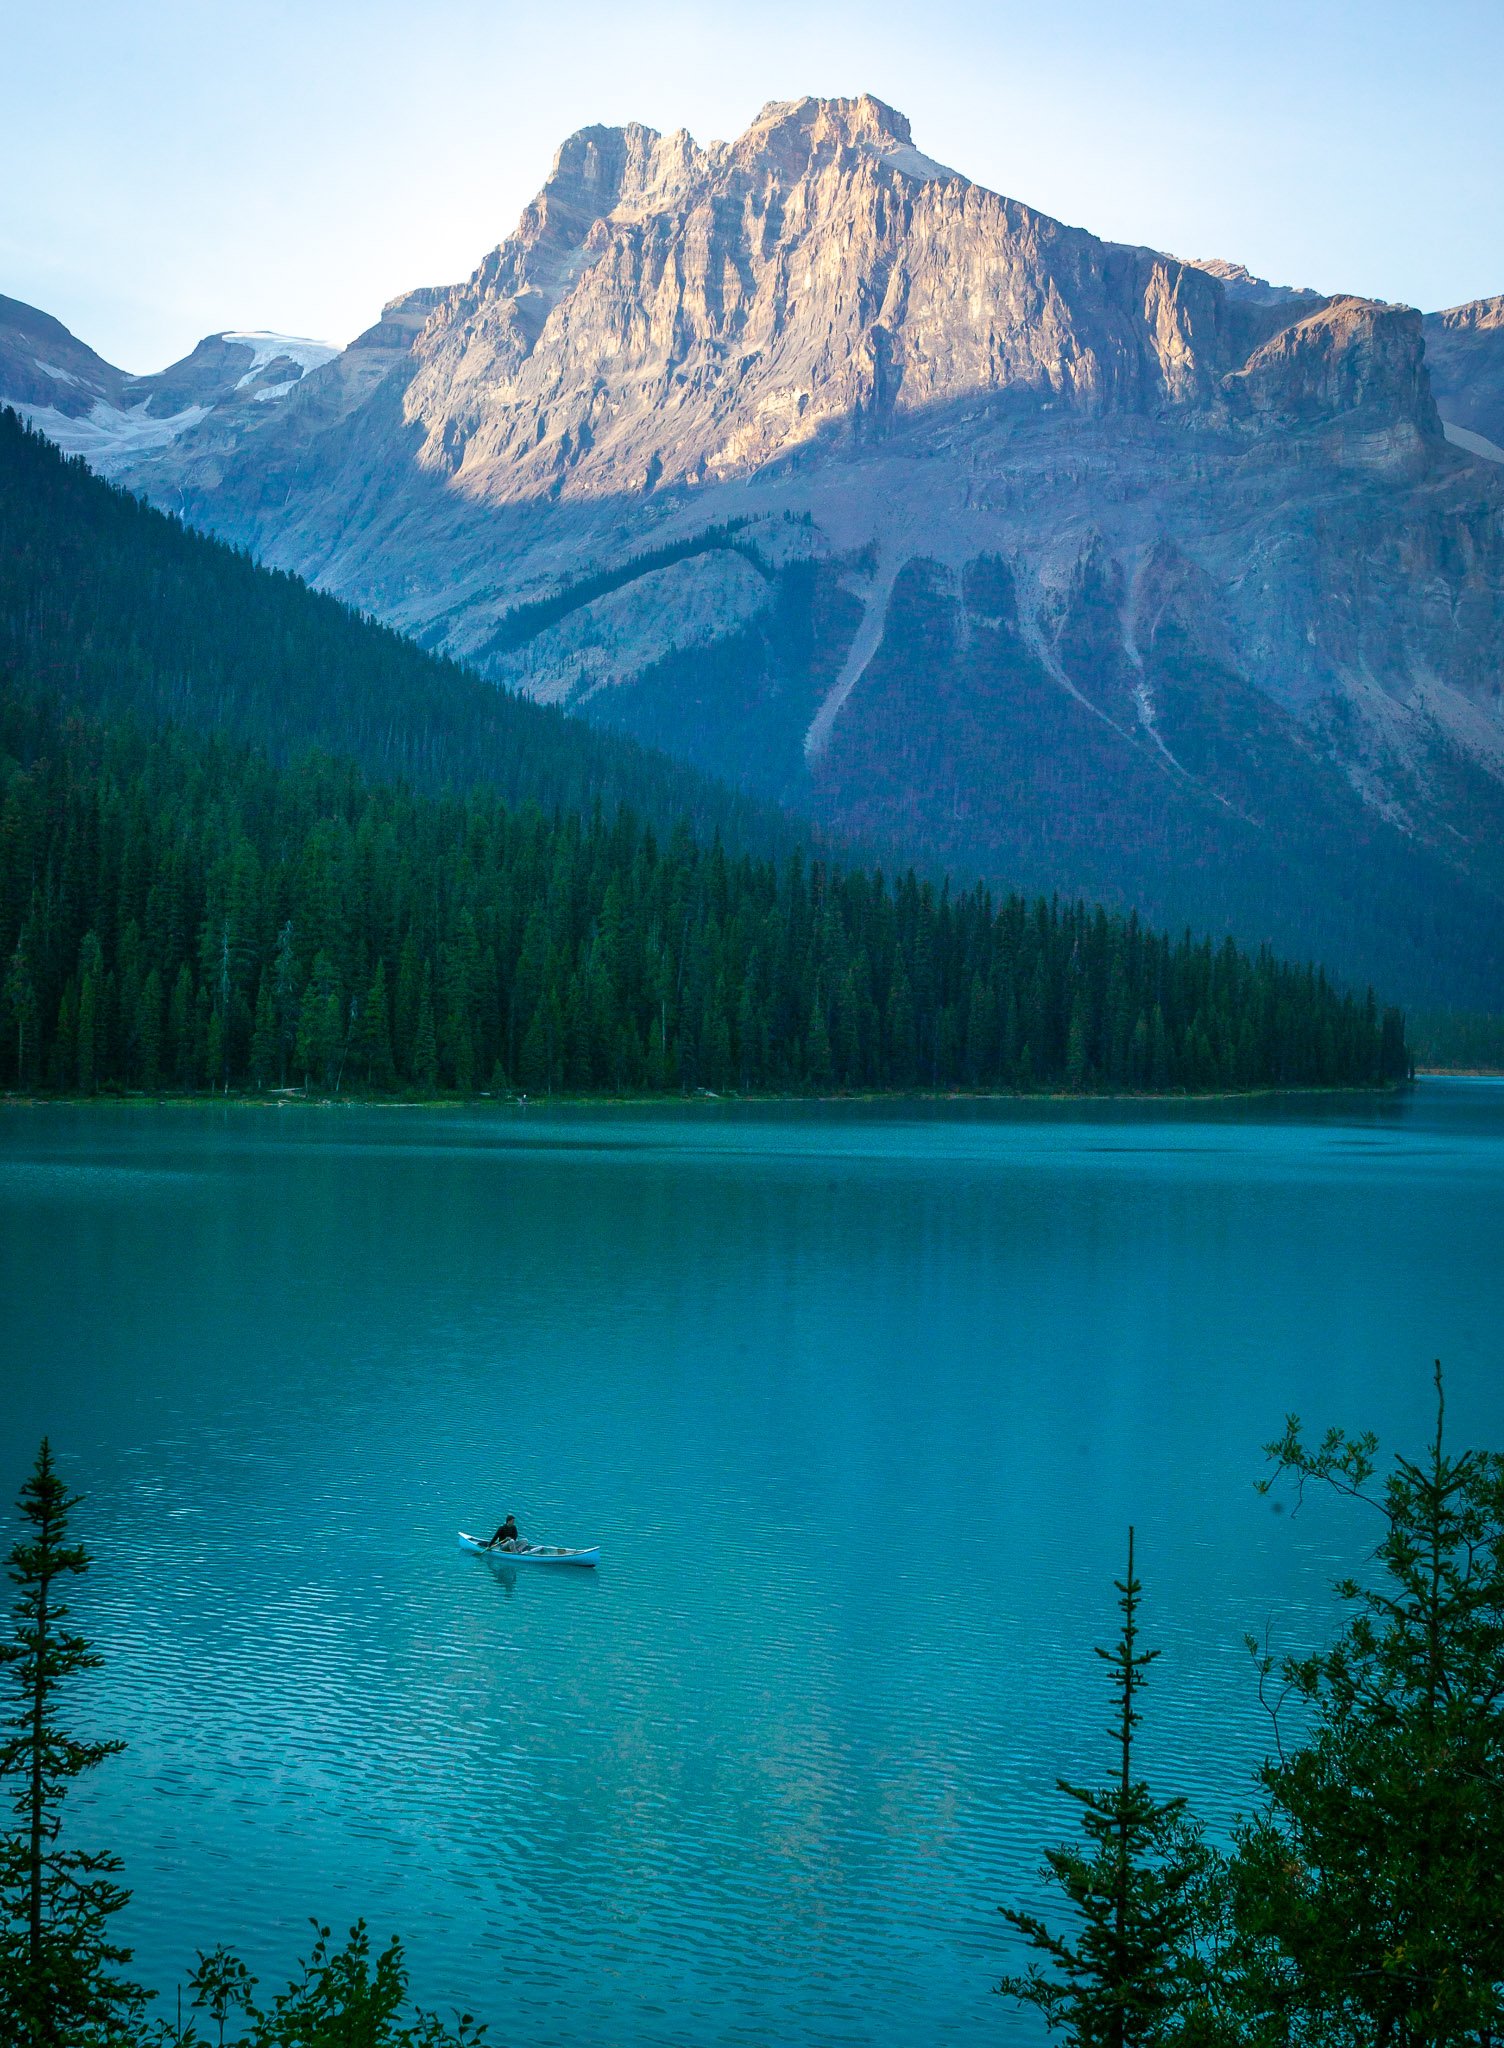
x,y
540,1553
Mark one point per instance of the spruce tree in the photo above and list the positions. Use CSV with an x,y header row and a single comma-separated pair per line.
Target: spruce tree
x,y
425,1040
24,1010
263,1036
1127,1974
1368,1897
59,1986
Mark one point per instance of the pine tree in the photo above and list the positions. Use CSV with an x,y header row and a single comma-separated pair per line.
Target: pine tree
x,y
90,977
285,996
24,1010
425,1040
58,1981
817,1057
148,1032
1368,1897
377,1030
264,1036
180,1027
319,1024
1130,1972
1077,1044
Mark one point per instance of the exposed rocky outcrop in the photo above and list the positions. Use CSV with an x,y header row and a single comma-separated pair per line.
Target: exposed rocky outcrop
x,y
1351,356
1064,560
1465,351
43,365
90,408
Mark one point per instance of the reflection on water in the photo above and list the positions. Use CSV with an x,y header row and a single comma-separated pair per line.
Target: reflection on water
x,y
858,1404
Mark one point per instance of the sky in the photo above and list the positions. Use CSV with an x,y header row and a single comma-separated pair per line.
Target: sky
x,y
169,170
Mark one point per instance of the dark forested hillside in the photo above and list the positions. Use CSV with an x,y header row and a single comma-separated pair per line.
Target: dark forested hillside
x,y
117,607
177,911
482,892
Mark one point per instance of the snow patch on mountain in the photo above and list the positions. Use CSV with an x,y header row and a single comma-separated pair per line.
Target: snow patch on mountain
x,y
1475,444
273,348
107,437
915,164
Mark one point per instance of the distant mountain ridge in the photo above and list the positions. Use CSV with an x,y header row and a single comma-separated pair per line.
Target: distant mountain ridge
x,y
90,408
1058,560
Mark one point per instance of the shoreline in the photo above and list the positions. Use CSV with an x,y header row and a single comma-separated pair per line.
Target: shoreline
x,y
294,1098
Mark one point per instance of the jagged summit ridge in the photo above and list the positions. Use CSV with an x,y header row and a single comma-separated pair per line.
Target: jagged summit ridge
x,y
890,495
671,314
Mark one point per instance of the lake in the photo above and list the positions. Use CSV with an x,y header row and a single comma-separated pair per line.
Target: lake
x,y
859,1402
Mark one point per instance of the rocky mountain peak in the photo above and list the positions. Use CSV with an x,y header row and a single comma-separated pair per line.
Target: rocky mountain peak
x,y
1353,355
793,136
1478,316
821,464
666,313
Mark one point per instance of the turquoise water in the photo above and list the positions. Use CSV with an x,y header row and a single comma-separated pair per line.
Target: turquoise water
x,y
859,1404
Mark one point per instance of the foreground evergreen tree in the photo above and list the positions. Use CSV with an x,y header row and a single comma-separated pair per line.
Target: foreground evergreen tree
x,y
59,1986
1368,1898
1129,1973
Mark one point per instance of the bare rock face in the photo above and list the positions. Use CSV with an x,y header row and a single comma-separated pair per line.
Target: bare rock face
x,y
1350,356
1061,561
669,315
1465,351
42,364
92,409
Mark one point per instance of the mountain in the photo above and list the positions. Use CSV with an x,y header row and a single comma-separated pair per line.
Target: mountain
x,y
89,408
1061,561
177,908
120,612
1465,354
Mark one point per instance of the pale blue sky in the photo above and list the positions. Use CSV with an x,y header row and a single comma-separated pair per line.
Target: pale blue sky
x,y
173,168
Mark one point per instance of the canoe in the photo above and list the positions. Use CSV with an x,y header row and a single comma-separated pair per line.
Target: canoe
x,y
533,1553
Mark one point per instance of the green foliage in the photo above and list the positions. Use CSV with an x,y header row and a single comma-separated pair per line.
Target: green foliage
x,y
1465,1040
340,1998
178,912
221,1985
525,621
1368,1897
1130,1972
59,1986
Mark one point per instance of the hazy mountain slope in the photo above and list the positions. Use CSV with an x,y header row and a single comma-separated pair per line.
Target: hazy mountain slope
x,y
891,497
89,408
1465,353
116,608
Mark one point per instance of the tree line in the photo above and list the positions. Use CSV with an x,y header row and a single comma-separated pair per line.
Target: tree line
x,y
1359,1905
1459,1039
180,912
116,607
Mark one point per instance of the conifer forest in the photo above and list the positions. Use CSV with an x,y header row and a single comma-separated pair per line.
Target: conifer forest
x,y
249,840
177,913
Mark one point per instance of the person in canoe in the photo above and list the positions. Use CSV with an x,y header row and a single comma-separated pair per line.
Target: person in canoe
x,y
507,1534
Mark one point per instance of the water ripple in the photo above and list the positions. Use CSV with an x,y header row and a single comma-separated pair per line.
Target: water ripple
x,y
859,1407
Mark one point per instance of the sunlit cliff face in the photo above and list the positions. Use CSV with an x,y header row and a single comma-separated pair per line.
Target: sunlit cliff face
x,y
1063,560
